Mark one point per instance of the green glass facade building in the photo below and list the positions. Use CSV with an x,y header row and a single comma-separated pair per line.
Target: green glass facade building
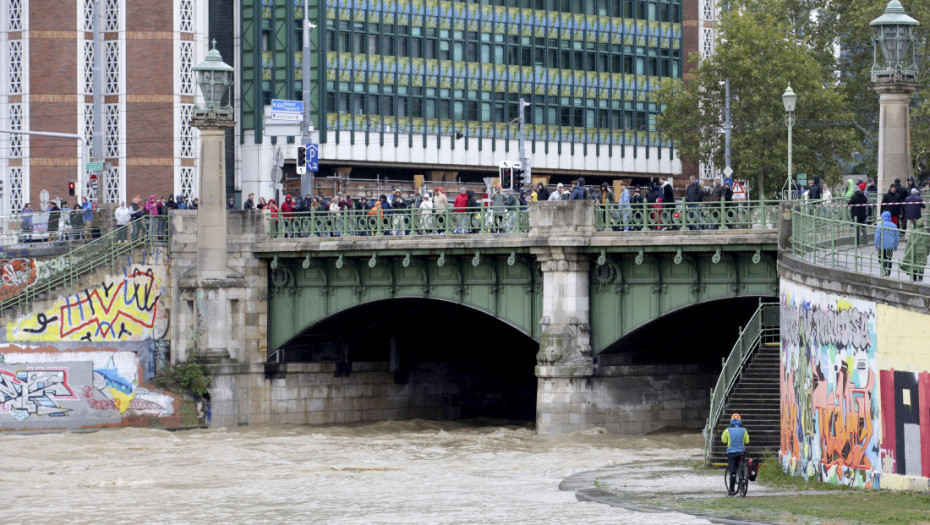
x,y
410,71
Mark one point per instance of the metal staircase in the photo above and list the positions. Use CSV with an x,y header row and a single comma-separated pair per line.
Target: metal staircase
x,y
106,251
748,385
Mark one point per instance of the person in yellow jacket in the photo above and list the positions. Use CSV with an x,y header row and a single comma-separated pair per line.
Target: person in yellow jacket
x,y
735,438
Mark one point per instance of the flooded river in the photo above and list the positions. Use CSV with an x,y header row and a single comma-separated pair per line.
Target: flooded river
x,y
390,472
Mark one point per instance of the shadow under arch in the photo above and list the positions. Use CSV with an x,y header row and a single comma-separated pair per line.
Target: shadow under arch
x,y
427,358
701,333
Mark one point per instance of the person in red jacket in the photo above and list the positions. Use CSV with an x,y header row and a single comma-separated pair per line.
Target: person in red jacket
x,y
460,204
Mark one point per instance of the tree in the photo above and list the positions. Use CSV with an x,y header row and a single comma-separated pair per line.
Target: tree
x,y
823,48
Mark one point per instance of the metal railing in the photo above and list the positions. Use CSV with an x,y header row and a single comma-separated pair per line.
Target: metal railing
x,y
829,236
69,226
762,328
68,269
688,216
350,223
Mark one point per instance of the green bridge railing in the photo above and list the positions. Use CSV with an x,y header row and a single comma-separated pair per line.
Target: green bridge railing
x,y
67,270
762,328
398,222
825,235
683,215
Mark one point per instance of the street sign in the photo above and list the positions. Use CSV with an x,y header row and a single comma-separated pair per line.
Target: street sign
x,y
292,110
802,179
93,166
313,157
739,194
728,172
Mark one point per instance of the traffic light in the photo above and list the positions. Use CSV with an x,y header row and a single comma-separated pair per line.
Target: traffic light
x,y
301,160
71,188
517,172
506,175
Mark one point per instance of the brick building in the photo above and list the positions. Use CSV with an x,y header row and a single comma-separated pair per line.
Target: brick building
x,y
47,82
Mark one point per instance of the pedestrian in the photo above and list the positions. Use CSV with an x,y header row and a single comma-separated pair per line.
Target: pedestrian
x,y
249,203
261,203
88,216
557,194
859,211
171,204
579,193
542,193
912,206
182,203
440,202
231,204
123,216
607,195
625,207
886,241
916,251
53,221
426,214
694,196
890,204
195,204
816,190
902,196
136,211
27,223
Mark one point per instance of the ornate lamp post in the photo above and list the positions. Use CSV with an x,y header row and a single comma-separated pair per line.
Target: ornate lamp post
x,y
789,99
894,78
211,281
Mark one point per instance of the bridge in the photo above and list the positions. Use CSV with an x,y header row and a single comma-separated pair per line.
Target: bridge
x,y
555,314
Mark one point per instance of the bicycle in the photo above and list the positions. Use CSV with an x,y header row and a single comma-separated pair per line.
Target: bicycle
x,y
742,478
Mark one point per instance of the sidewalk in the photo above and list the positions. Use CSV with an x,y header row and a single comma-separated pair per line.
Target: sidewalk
x,y
670,486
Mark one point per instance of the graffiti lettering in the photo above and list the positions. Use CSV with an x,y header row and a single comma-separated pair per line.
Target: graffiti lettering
x,y
15,275
28,392
101,404
120,310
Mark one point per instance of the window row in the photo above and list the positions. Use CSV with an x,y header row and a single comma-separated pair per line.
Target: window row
x,y
636,116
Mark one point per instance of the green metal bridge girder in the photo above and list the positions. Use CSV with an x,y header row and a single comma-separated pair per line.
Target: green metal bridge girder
x,y
632,288
305,290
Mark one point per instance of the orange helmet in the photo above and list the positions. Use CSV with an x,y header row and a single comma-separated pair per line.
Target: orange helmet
x,y
736,417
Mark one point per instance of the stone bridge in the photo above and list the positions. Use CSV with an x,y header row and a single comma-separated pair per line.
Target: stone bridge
x,y
622,330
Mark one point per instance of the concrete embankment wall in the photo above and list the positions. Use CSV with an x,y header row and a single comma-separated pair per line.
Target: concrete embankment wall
x,y
855,378
81,357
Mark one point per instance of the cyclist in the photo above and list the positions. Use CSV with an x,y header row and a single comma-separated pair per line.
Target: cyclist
x,y
735,438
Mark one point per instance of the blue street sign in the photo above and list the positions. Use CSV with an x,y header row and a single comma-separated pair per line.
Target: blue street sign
x,y
313,157
287,110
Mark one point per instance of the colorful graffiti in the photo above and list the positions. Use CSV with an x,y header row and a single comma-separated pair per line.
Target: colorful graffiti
x,y
15,275
82,384
830,413
122,309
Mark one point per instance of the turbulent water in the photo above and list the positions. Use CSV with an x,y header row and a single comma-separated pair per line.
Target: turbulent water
x,y
391,472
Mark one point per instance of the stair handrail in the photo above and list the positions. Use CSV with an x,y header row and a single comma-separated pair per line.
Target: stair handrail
x,y
759,327
88,257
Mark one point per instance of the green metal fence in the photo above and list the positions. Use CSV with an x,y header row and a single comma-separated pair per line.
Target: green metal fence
x,y
688,216
398,222
762,328
105,251
827,236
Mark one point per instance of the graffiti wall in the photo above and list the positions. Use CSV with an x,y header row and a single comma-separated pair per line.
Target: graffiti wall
x,y
45,388
831,423
904,362
123,307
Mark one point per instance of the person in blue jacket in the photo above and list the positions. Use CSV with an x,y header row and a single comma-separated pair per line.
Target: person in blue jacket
x,y
735,438
886,241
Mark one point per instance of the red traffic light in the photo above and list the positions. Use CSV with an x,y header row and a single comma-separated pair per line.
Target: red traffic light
x,y
70,188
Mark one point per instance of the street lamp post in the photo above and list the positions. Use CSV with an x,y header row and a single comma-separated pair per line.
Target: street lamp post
x,y
894,78
789,99
524,161
210,282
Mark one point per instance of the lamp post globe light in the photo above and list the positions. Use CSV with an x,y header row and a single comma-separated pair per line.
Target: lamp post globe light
x,y
214,78
894,77
790,100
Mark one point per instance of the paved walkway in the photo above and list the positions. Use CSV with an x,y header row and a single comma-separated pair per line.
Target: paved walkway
x,y
664,487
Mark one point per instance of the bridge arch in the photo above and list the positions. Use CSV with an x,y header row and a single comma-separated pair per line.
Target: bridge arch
x,y
305,291
632,289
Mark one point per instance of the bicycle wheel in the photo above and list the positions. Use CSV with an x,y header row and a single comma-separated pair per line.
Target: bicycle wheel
x,y
743,479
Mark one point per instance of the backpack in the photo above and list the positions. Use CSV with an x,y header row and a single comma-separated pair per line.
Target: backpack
x,y
752,467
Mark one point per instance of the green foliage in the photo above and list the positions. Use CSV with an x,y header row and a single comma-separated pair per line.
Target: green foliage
x,y
762,46
772,474
187,377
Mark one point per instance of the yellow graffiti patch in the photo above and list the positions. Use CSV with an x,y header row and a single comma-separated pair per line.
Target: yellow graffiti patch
x,y
121,399
843,304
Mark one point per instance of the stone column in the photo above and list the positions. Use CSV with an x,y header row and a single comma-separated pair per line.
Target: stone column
x,y
565,365
894,135
210,279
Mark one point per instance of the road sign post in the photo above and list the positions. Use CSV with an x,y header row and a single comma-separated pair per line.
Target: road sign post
x,y
291,110
313,157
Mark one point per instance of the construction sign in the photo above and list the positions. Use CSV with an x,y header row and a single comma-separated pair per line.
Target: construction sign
x,y
739,193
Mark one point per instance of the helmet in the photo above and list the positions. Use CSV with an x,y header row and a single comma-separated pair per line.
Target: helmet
x,y
736,417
